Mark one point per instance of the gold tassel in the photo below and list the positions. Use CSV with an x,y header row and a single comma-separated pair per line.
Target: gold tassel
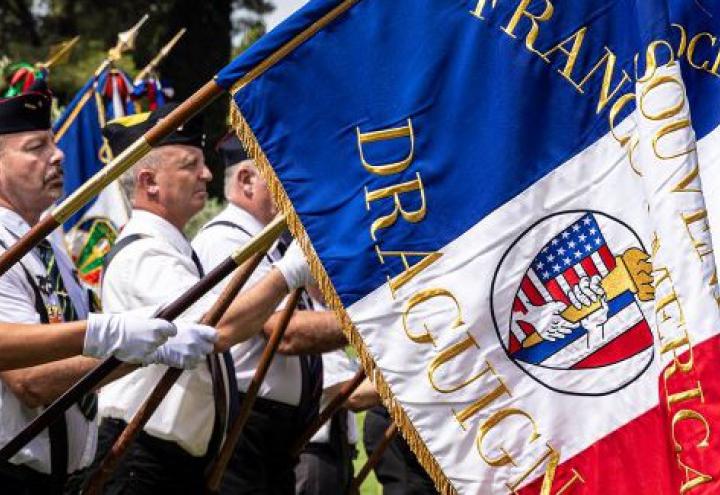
x,y
426,459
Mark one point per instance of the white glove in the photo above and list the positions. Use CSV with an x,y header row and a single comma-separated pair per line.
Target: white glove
x,y
188,348
546,320
127,337
294,268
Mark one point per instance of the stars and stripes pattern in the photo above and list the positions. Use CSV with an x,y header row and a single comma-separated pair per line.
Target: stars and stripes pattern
x,y
580,250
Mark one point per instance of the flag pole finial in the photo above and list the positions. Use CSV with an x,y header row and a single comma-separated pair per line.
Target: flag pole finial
x,y
59,54
164,52
126,40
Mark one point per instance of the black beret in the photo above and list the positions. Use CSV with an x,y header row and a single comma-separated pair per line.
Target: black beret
x,y
124,131
231,150
26,112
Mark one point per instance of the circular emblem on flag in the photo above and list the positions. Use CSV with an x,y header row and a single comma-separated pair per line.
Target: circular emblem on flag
x,y
568,302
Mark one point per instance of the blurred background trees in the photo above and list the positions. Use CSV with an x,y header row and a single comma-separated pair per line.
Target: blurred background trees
x,y
216,31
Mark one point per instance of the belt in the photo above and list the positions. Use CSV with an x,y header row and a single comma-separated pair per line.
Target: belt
x,y
164,449
273,407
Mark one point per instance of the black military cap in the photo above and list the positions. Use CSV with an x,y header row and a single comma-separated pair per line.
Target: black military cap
x,y
231,150
26,112
124,131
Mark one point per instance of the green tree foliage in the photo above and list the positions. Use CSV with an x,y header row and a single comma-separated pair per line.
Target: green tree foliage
x,y
29,27
16,16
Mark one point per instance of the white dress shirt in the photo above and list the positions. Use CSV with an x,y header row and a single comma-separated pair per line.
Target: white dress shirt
x,y
338,367
147,273
17,305
283,382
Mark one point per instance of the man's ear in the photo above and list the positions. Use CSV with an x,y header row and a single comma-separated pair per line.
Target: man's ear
x,y
146,181
246,180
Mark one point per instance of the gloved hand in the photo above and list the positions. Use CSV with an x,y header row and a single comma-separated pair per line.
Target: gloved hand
x,y
188,348
127,337
294,268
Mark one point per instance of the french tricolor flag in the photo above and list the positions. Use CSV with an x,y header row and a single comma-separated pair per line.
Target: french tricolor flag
x,y
511,205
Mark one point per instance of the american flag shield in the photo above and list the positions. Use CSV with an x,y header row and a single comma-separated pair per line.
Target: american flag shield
x,y
580,251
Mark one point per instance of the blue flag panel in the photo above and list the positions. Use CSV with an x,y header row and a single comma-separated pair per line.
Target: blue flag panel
x,y
489,117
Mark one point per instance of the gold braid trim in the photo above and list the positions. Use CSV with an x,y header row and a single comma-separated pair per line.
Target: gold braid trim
x,y
73,115
408,431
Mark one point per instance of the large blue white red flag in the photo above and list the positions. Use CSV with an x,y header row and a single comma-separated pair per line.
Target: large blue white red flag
x,y
91,231
481,187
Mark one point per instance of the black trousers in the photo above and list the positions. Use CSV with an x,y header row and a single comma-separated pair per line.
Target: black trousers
x,y
261,463
151,466
322,472
398,471
20,480
327,468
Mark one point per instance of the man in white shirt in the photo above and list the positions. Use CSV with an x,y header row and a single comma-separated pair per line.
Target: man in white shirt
x,y
290,393
149,265
42,289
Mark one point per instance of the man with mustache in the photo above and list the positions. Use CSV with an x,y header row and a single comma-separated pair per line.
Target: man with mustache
x,y
150,264
42,289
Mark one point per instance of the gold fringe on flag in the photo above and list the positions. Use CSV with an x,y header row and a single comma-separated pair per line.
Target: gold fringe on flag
x,y
279,195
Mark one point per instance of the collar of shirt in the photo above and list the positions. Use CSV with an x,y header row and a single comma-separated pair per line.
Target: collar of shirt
x,y
252,225
13,221
150,224
243,218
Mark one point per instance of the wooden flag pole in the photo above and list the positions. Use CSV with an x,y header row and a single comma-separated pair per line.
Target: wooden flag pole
x,y
334,406
217,469
372,461
143,415
187,109
89,382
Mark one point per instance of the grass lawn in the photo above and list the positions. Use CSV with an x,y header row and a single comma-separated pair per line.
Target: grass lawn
x,y
371,485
